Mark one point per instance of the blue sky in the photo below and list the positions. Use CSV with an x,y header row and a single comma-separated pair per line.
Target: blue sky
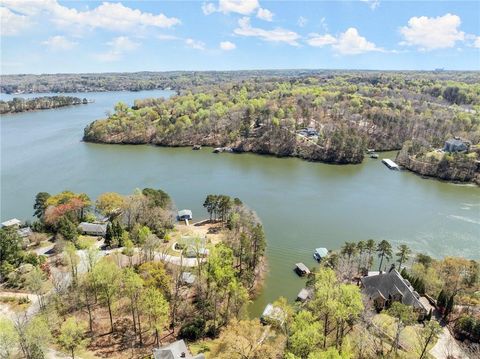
x,y
51,36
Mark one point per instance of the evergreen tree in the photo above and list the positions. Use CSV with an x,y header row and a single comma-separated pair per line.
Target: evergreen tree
x,y
109,235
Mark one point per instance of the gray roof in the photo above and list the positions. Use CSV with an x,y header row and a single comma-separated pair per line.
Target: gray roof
x,y
322,252
302,267
175,350
391,283
92,227
304,294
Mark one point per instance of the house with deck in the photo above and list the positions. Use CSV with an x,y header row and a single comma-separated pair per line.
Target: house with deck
x,y
385,288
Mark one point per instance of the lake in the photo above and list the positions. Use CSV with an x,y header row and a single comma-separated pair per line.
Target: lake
x,y
302,205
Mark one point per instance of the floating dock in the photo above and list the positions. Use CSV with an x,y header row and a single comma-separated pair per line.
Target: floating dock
x,y
320,253
390,164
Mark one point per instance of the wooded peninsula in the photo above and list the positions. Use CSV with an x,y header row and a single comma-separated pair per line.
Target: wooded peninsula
x,y
39,103
329,117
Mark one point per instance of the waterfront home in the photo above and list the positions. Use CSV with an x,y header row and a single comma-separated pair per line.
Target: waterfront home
x,y
390,164
304,295
12,223
456,145
272,314
184,214
385,288
93,229
175,350
301,269
320,253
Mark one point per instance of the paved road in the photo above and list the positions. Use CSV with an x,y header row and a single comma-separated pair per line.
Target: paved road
x,y
447,347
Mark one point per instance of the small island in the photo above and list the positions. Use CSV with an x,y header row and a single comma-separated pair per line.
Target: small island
x,y
39,103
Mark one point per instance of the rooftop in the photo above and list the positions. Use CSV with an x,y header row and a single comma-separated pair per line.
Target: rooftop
x,y
11,222
175,350
391,283
322,252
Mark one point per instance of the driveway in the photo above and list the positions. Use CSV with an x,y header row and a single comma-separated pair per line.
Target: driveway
x,y
447,347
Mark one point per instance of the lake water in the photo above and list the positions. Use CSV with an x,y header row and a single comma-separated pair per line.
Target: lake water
x,y
302,205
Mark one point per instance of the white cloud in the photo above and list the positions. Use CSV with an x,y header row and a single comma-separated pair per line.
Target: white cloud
x,y
59,43
430,33
110,16
275,35
265,14
318,40
476,43
167,37
12,23
372,3
195,44
227,45
208,8
243,7
118,47
302,21
349,42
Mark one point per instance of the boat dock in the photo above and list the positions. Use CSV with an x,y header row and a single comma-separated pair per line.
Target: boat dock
x,y
301,269
390,164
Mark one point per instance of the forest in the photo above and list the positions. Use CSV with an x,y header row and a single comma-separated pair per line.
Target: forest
x,y
18,104
347,113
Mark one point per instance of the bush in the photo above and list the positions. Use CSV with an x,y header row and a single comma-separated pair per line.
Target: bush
x,y
193,330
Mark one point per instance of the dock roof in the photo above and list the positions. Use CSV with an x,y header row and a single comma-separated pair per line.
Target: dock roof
x,y
184,212
322,252
11,222
302,267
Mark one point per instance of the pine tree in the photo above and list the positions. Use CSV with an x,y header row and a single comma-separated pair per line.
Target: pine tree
x,y
109,235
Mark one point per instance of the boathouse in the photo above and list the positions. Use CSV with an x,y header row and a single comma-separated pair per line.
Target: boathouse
x,y
390,164
12,223
302,269
320,253
304,295
184,214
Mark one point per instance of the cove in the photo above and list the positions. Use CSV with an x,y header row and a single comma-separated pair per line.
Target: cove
x,y
302,205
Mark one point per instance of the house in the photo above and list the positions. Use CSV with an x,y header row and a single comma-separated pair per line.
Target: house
x,y
272,314
93,229
385,288
456,145
175,350
184,214
12,223
301,269
320,253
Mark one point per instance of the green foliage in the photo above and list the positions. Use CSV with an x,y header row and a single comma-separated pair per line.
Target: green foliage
x,y
72,335
10,250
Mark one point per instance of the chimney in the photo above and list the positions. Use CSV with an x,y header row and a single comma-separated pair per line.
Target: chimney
x,y
182,355
392,267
